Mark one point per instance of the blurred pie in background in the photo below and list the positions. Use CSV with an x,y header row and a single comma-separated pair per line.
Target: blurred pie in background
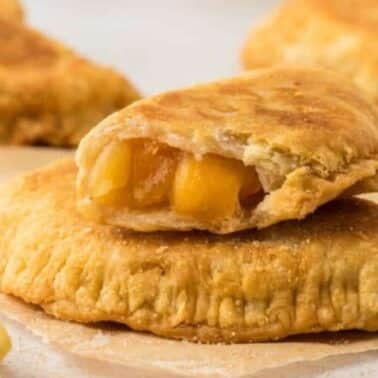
x,y
49,94
334,33
11,10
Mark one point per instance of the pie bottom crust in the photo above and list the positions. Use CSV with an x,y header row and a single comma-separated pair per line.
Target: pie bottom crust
x,y
320,274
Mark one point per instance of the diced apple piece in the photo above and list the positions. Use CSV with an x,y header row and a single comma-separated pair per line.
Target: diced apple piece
x,y
5,343
112,171
251,183
115,198
154,166
208,188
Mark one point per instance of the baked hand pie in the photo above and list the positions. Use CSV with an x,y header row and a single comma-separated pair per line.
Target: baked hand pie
x,y
49,94
246,152
340,35
320,274
11,10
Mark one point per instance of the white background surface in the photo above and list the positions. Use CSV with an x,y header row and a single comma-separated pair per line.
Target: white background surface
x,y
159,45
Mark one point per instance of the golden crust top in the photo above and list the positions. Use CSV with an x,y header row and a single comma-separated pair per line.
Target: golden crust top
x,y
11,10
331,33
50,95
296,277
290,109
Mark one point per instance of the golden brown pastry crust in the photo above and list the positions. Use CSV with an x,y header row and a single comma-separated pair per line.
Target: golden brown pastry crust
x,y
11,10
309,133
50,95
296,277
338,35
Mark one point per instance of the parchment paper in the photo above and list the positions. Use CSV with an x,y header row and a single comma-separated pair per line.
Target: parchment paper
x,y
120,345
169,358
16,160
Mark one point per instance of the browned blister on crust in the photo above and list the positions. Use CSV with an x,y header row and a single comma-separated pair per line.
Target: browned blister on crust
x,y
315,275
332,33
308,133
51,95
11,10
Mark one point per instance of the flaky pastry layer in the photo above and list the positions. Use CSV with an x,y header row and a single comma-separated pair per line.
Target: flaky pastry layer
x,y
309,134
320,274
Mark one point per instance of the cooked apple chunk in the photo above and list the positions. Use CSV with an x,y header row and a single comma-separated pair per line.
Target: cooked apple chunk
x,y
5,343
111,172
212,187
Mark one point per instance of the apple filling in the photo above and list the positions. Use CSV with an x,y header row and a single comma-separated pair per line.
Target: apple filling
x,y
141,174
5,343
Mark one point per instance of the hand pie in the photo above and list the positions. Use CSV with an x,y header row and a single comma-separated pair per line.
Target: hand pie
x,y
336,34
246,152
11,10
49,94
320,274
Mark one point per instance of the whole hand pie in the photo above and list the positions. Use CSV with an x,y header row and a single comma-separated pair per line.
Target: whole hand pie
x,y
11,9
320,274
340,35
245,152
49,94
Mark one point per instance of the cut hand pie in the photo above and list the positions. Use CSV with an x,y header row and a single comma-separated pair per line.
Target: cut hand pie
x,y
246,152
340,35
49,94
320,274
11,10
